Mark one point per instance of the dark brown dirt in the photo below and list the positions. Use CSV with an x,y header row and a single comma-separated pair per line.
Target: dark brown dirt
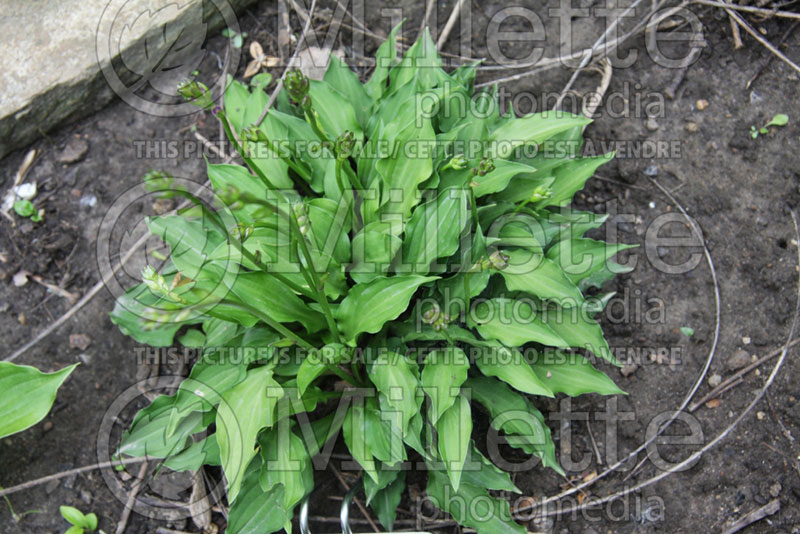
x,y
737,189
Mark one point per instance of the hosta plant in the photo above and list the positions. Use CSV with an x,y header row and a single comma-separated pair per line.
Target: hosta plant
x,y
390,258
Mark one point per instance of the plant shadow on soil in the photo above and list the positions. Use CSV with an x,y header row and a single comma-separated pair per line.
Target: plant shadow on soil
x,y
736,188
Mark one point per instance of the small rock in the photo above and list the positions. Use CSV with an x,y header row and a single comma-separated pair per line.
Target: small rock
x,y
651,124
691,127
79,341
714,380
20,279
75,150
628,369
652,205
26,191
88,201
47,426
713,403
51,486
746,340
760,416
162,206
775,490
701,104
651,170
739,359
86,496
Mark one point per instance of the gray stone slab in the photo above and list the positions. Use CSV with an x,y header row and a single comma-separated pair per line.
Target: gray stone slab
x,y
64,59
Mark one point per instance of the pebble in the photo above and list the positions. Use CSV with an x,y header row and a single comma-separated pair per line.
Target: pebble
x,y
760,416
86,496
651,124
701,104
88,201
51,486
651,170
714,380
628,369
79,341
47,426
746,340
691,127
775,490
26,191
75,150
739,359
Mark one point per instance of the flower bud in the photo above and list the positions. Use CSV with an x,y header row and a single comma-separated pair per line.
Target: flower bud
x,y
297,85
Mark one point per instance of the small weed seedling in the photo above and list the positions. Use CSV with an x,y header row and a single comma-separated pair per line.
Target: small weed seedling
x,y
80,522
778,120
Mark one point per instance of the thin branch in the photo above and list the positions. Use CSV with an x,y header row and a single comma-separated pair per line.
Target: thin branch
x,y
68,473
126,512
289,65
346,487
750,9
757,36
448,27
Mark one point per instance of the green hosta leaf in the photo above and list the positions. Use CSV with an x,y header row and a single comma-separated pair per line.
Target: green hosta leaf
x,y
335,111
317,363
421,60
285,461
374,248
369,305
498,179
236,96
510,366
329,226
514,322
570,178
397,386
386,499
223,176
454,428
340,77
514,415
486,514
532,273
196,455
210,378
407,169
582,258
355,438
27,395
264,292
579,330
444,372
383,433
256,511
532,129
191,242
150,435
129,310
384,60
574,375
483,473
434,229
245,410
